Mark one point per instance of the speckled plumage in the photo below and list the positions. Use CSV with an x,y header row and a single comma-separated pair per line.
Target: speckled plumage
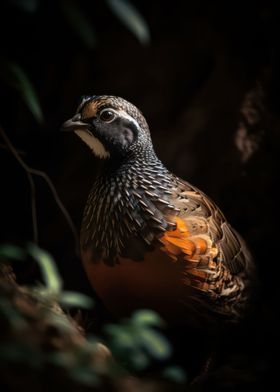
x,y
138,211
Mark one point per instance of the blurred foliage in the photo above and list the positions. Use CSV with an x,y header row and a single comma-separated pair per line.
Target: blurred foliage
x,y
131,18
136,342
9,251
28,328
34,320
147,318
79,22
175,373
53,286
26,5
12,73
48,268
15,77
13,317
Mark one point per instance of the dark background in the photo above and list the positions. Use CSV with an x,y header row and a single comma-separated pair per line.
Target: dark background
x,y
208,84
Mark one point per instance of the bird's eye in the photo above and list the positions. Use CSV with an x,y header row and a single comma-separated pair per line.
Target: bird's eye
x,y
107,115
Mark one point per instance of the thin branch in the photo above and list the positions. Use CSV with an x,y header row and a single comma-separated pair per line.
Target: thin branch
x,y
30,171
59,204
4,147
14,151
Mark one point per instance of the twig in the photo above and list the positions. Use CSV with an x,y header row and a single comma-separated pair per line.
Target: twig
x,y
4,147
15,153
30,171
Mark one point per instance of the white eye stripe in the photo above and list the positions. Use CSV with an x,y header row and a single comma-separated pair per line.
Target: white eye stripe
x,y
123,114
110,110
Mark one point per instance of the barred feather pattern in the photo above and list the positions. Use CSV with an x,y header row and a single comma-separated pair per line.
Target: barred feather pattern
x,y
128,203
140,205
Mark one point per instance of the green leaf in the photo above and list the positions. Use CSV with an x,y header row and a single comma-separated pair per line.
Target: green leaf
x,y
139,359
175,373
85,375
131,18
60,359
155,343
11,252
79,22
15,77
27,5
79,300
61,322
48,268
20,352
121,335
146,317
27,92
11,314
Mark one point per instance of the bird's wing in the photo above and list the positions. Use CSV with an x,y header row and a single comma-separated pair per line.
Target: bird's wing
x,y
203,235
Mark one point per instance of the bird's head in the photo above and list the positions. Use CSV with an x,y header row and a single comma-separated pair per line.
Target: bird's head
x,y
110,126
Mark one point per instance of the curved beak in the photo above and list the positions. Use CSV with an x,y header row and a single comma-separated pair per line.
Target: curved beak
x,y
74,124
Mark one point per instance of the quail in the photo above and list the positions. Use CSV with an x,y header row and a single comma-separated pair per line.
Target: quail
x,y
148,238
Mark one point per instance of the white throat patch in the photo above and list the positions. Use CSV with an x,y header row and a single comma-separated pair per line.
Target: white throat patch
x,y
94,144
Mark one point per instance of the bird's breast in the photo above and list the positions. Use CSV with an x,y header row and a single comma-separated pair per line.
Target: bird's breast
x,y
157,283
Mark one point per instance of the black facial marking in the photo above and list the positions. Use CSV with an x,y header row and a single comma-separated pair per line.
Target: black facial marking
x,y
117,135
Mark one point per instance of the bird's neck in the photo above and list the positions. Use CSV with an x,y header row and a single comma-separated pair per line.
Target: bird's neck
x,y
117,164
136,170
126,200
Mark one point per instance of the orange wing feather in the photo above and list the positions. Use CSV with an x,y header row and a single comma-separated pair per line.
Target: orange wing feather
x,y
182,242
